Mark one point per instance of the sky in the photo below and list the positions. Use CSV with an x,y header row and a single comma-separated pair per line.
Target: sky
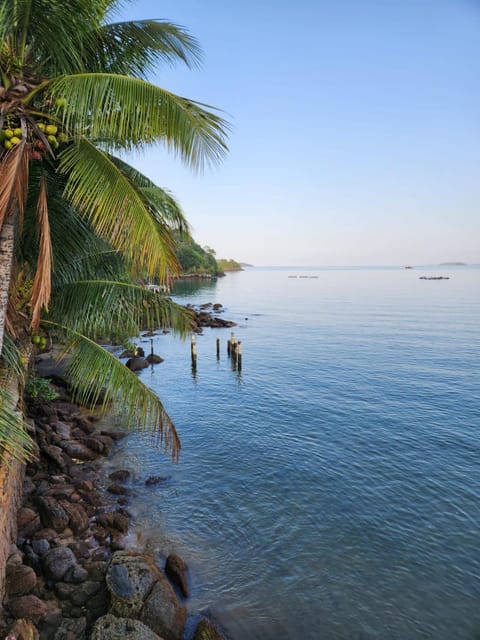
x,y
355,129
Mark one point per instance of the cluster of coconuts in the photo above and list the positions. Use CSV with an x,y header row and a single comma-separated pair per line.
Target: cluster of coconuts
x,y
53,135
10,137
40,341
12,134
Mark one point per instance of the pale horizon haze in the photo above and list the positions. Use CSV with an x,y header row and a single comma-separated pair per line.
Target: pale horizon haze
x,y
354,129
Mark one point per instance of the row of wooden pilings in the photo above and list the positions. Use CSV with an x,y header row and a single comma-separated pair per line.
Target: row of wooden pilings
x,y
234,351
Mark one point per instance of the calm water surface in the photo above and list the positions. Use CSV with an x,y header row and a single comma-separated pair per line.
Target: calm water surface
x,y
331,490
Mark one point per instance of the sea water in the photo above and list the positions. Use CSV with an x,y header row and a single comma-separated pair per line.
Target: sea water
x,y
330,490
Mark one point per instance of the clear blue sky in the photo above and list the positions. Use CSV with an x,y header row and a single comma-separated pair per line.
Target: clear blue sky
x,y
355,129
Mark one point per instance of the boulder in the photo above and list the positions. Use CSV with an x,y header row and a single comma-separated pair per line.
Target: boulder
x,y
121,475
29,607
152,358
79,451
20,580
78,518
163,613
71,629
111,628
136,364
52,514
130,578
176,570
28,521
58,562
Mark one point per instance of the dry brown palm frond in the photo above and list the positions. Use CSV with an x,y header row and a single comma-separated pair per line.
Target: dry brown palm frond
x,y
13,180
42,283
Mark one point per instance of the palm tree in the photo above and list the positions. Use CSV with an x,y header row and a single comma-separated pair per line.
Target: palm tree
x,y
73,94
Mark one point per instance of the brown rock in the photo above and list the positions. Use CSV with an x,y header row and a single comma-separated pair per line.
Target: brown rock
x,y
163,613
20,580
117,489
28,521
78,519
121,475
52,514
176,570
79,451
29,607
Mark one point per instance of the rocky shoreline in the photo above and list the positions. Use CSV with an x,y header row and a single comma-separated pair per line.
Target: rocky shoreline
x,y
70,575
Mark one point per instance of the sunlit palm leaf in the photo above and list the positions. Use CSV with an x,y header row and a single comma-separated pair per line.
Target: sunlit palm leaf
x,y
162,203
98,307
116,209
14,439
127,113
11,356
98,378
132,48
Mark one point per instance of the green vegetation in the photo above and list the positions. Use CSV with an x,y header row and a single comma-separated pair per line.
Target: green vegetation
x,y
228,265
68,106
193,258
40,389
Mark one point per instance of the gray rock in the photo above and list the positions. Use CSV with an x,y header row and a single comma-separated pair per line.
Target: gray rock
x,y
163,613
130,577
58,562
111,628
40,547
71,629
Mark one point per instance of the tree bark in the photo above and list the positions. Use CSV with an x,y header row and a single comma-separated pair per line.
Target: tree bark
x,y
7,243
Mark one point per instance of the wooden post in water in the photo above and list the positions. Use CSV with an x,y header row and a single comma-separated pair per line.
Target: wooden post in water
x,y
230,343
193,350
239,355
218,348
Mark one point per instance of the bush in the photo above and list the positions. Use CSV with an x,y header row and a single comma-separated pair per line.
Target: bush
x,y
40,389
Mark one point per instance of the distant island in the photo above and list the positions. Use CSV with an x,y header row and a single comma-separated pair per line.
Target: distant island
x,y
453,264
229,265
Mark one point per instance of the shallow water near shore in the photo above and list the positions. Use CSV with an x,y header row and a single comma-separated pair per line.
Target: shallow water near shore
x,y
331,489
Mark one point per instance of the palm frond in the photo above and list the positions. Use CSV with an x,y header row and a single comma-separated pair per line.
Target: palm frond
x,y
163,204
14,439
127,113
101,308
99,378
116,209
11,356
132,48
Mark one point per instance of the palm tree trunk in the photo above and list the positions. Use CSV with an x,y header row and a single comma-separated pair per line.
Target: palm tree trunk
x,y
7,241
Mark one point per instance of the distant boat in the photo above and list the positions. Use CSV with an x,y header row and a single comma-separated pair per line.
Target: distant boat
x,y
408,267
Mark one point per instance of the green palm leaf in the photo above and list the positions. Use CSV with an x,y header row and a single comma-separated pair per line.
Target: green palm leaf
x,y
14,439
116,209
98,378
101,308
128,113
132,48
163,205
